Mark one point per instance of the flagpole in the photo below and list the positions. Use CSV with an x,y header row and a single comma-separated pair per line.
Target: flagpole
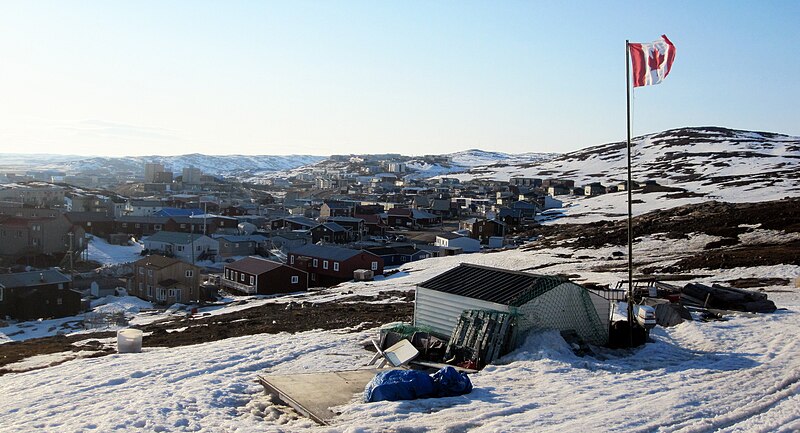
x,y
629,188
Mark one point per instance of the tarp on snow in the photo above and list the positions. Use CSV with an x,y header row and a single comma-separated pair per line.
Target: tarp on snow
x,y
393,385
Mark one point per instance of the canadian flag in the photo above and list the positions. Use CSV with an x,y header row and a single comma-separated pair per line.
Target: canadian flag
x,y
651,62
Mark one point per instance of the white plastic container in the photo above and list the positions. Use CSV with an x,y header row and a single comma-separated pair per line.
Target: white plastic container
x,y
129,341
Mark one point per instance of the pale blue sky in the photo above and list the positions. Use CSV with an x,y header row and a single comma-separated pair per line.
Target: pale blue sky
x,y
324,77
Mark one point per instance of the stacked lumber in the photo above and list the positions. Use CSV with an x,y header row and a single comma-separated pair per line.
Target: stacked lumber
x,y
726,298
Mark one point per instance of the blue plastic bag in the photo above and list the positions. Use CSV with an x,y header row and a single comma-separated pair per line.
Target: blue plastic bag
x,y
393,385
448,382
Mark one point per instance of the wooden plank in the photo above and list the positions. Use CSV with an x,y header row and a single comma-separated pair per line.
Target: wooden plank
x,y
313,394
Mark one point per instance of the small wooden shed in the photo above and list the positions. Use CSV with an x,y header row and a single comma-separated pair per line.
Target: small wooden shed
x,y
537,301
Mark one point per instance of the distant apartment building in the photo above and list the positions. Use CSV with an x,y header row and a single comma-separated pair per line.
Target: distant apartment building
x,y
34,194
192,176
397,167
151,170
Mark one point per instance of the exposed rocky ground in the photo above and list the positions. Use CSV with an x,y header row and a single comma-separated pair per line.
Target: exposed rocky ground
x,y
354,312
725,220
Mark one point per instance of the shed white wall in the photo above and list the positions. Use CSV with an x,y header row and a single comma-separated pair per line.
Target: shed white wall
x,y
440,311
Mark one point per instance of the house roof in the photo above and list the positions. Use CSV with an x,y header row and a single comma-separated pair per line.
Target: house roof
x,y
514,213
501,286
254,265
326,252
32,279
293,235
81,217
429,248
308,222
371,219
338,205
344,220
178,238
156,261
333,227
421,214
241,238
449,235
146,203
143,219
172,211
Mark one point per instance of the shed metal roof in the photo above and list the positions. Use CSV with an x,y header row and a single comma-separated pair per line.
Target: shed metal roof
x,y
500,286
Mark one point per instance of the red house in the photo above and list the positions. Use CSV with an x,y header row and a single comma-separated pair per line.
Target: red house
x,y
328,266
254,275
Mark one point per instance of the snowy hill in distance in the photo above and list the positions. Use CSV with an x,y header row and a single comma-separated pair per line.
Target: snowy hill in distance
x,y
691,165
466,160
221,165
705,155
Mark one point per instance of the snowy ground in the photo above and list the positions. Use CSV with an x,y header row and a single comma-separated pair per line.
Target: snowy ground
x,y
19,331
742,374
102,252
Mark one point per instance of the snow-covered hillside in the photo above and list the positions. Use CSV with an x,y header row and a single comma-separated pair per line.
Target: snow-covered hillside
x,y
701,159
464,161
218,165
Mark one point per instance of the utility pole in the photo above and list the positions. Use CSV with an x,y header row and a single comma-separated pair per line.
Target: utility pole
x,y
71,236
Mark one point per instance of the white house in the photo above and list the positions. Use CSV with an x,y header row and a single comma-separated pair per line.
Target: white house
x,y
537,301
453,240
143,207
187,247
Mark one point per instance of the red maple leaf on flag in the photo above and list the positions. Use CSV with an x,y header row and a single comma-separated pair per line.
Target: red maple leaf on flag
x,y
655,60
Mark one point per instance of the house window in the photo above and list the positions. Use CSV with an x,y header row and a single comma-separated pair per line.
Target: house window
x,y
149,272
141,287
183,226
141,271
314,263
374,266
124,225
59,301
162,295
324,264
227,245
138,226
180,248
241,278
171,293
295,280
155,226
252,280
1,292
291,260
149,291
227,273
336,266
236,245
189,273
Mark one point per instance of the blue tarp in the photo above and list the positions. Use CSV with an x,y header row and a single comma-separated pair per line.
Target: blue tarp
x,y
393,385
